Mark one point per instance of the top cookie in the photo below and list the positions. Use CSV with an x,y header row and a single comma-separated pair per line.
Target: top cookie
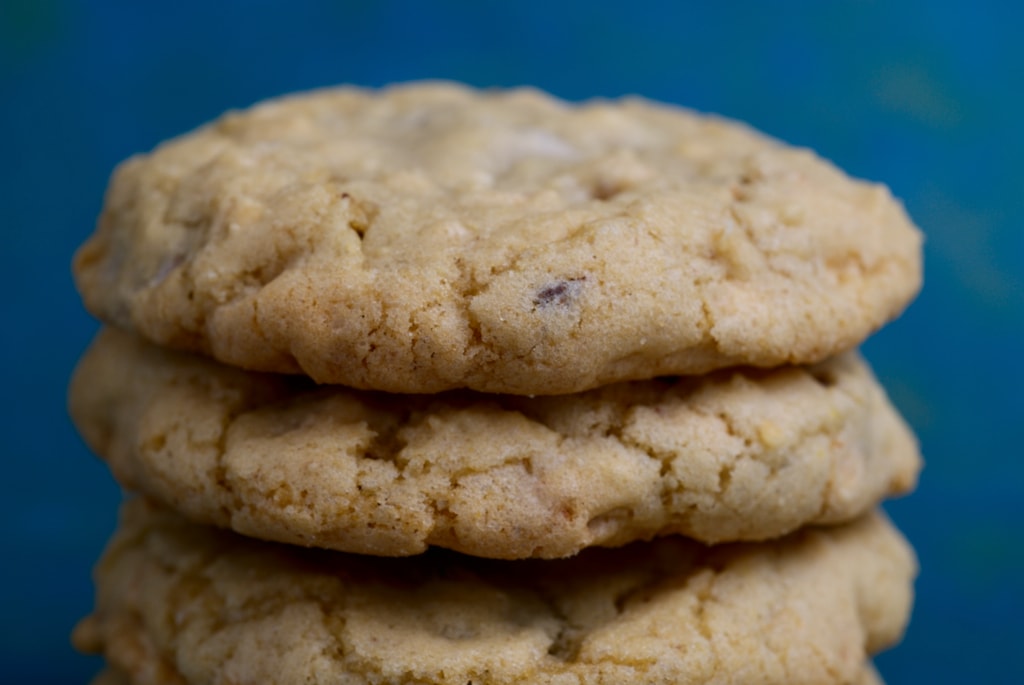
x,y
429,236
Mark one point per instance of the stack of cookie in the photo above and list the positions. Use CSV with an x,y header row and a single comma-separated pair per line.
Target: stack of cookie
x,y
431,385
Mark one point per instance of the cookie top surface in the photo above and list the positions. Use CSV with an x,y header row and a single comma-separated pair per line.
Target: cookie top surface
x,y
208,606
428,237
729,456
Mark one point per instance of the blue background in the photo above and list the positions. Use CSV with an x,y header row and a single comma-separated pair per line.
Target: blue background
x,y
926,96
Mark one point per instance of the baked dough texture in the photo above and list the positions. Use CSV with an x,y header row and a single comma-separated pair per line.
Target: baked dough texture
x,y
734,455
111,676
180,603
428,237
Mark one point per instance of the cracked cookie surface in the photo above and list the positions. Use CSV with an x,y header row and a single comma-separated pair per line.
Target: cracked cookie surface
x,y
735,455
181,603
430,237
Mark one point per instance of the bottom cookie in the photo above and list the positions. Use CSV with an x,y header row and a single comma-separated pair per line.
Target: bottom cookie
x,y
180,603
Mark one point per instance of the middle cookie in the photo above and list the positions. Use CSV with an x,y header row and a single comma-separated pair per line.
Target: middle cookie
x,y
736,455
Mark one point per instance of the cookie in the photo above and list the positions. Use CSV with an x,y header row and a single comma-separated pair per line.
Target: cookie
x,y
867,676
735,455
194,604
428,237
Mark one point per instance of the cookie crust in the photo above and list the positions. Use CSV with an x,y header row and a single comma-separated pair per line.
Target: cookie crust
x,y
428,237
180,603
738,455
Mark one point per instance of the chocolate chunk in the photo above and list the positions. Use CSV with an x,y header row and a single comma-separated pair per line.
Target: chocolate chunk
x,y
560,293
